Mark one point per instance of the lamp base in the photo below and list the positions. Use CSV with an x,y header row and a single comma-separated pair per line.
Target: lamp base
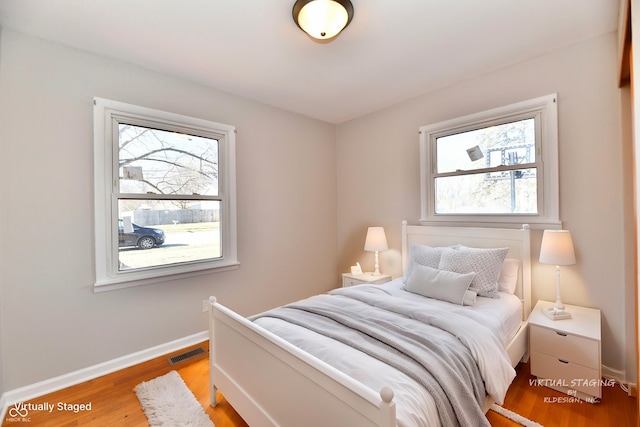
x,y
555,314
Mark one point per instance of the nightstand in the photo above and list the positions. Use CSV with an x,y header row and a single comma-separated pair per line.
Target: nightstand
x,y
565,354
359,279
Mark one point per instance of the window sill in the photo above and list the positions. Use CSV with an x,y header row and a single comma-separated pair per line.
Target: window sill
x,y
146,278
515,223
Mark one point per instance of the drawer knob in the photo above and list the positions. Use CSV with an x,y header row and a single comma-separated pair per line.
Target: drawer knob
x,y
563,361
562,334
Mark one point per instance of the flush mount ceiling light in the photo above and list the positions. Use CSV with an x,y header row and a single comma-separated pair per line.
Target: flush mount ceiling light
x,y
322,19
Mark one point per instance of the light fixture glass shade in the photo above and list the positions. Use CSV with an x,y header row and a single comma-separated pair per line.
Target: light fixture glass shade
x,y
322,19
557,248
376,240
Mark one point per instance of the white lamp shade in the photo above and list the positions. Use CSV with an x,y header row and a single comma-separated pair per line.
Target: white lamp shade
x,y
376,240
557,248
322,19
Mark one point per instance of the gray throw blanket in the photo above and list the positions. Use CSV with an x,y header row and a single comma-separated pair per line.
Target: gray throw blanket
x,y
423,345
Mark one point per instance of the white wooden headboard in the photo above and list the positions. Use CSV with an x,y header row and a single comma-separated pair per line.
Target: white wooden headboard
x,y
518,242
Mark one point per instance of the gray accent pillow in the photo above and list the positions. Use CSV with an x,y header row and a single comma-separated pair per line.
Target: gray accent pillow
x,y
423,255
486,263
439,284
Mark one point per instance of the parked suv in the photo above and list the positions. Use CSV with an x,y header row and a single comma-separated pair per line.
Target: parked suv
x,y
142,237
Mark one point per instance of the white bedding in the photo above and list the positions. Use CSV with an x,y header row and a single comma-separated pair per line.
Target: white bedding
x,y
415,407
504,314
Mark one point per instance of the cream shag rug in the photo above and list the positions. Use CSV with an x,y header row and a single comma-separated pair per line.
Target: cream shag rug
x,y
514,417
168,402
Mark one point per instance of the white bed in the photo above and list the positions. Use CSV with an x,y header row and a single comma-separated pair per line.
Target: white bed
x,y
271,381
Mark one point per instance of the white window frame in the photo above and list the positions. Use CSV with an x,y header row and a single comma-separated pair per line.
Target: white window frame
x,y
107,274
545,111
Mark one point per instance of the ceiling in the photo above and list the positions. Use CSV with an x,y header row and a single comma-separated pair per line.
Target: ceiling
x,y
392,50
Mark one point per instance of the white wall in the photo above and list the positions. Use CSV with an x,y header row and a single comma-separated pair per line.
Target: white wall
x,y
2,156
378,175
52,322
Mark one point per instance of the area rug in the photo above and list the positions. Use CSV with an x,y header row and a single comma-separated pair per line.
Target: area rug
x,y
514,417
168,402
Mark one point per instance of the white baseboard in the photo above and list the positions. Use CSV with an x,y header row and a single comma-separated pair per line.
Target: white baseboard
x,y
41,388
620,377
614,374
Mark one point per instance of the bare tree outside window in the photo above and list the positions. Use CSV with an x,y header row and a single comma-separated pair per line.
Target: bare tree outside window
x,y
171,162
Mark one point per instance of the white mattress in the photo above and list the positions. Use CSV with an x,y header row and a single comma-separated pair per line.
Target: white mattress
x,y
414,406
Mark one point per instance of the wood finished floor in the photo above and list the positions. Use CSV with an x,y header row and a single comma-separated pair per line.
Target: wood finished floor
x,y
114,403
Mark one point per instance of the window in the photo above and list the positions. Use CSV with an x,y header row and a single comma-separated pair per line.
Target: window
x,y
498,166
164,195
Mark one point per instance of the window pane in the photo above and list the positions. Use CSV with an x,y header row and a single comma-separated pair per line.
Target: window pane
x,y
163,162
154,233
506,144
488,193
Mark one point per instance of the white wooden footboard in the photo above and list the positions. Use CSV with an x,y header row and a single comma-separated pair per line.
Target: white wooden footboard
x,y
270,382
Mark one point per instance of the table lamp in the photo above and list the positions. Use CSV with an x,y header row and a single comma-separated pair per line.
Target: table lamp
x,y
376,241
557,249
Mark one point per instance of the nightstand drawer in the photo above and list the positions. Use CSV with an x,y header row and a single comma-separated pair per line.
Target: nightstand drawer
x,y
562,345
365,278
560,373
350,282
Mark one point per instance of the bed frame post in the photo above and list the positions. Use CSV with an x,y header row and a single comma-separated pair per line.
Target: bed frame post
x,y
405,246
526,271
387,407
213,395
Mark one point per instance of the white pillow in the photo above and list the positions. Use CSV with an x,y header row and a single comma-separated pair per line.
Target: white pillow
x,y
469,297
486,263
509,275
439,284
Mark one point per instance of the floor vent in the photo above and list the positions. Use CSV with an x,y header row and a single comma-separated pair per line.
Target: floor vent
x,y
187,355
